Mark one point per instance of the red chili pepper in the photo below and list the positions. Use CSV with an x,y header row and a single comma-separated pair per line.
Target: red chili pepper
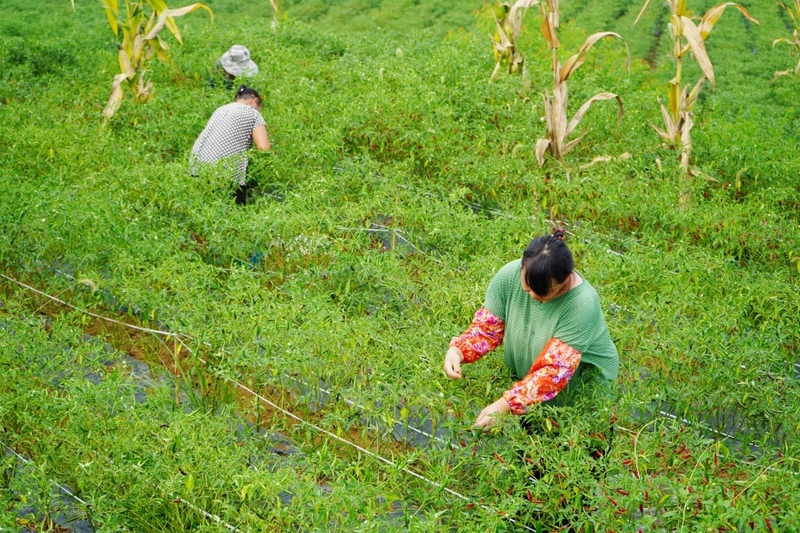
x,y
626,462
612,500
623,492
769,525
499,458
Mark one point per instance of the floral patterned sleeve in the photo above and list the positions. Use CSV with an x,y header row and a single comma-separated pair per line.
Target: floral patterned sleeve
x,y
548,376
481,337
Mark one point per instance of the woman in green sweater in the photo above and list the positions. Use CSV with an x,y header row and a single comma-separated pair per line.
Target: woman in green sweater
x,y
549,319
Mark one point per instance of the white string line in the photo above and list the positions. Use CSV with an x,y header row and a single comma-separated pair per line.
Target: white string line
x,y
189,337
363,450
686,422
176,336
359,406
208,515
148,330
65,490
61,487
702,426
95,315
275,406
351,403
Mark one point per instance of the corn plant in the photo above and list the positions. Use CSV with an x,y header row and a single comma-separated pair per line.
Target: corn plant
x,y
505,37
140,24
687,37
559,126
794,42
277,13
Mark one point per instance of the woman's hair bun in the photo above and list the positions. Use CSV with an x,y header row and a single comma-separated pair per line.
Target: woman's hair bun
x,y
241,89
559,234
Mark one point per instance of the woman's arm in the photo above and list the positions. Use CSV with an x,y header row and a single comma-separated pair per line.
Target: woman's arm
x,y
548,376
481,337
260,138
484,335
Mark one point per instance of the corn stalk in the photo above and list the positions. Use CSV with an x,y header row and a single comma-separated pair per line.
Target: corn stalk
x,y
140,25
559,126
687,38
277,13
794,42
504,41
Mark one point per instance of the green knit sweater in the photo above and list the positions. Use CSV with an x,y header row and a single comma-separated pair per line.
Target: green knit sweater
x,y
575,318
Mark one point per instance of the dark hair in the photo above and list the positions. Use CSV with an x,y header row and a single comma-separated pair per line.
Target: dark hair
x,y
546,261
245,93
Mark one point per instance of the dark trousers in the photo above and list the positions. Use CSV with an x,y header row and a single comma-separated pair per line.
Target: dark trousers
x,y
241,195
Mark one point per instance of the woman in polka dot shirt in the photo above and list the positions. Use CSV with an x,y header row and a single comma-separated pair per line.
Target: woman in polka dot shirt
x,y
231,131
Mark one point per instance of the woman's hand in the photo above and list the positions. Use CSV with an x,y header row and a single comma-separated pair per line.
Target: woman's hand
x,y
452,363
488,416
260,138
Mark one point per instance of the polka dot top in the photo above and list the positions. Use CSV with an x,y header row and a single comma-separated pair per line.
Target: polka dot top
x,y
226,139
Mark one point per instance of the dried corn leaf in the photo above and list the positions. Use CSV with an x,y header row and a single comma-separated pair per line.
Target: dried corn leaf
x,y
515,16
641,11
692,34
570,145
712,16
115,98
179,12
549,32
670,123
691,99
574,62
661,133
125,65
589,103
541,148
686,140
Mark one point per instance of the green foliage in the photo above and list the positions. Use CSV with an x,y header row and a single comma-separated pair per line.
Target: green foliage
x,y
508,24
686,37
140,26
399,182
793,42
